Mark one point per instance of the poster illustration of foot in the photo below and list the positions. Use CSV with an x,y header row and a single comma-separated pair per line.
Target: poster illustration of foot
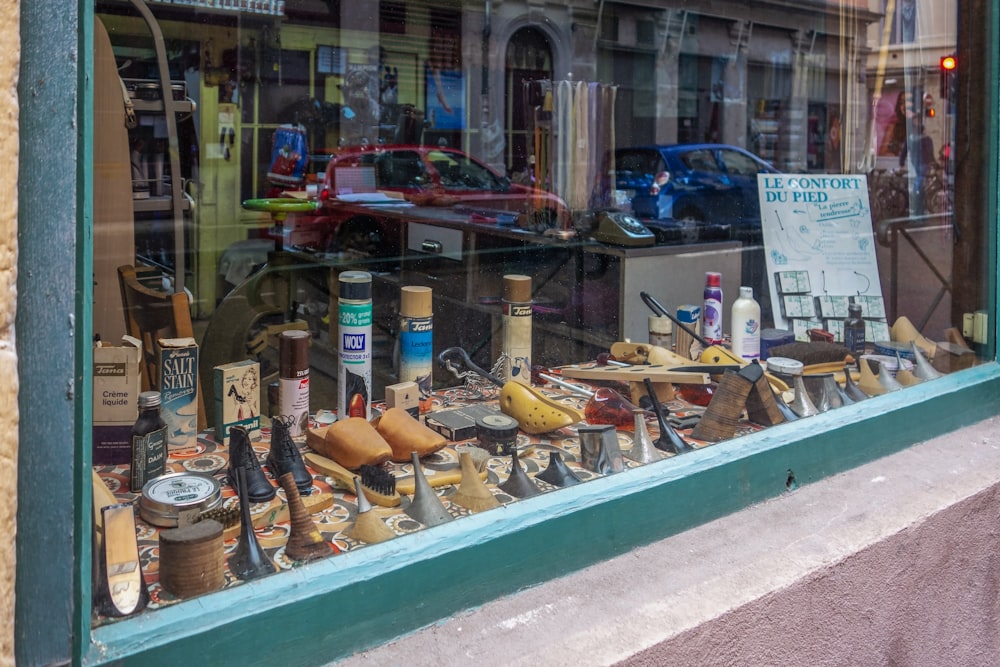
x,y
820,253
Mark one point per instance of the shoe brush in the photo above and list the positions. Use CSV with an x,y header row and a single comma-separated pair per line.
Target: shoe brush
x,y
407,485
379,485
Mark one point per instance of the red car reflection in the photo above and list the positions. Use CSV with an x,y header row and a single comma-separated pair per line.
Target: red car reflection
x,y
438,176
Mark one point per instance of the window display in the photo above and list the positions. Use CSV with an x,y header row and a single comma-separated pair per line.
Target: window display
x,y
441,261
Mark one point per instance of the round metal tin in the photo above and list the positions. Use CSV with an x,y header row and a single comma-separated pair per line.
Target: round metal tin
x,y
784,366
497,434
891,348
166,496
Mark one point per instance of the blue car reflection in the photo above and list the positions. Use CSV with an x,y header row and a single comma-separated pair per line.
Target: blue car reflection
x,y
701,188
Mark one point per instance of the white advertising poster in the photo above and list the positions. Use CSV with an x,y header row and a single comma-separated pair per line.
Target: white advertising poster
x,y
820,252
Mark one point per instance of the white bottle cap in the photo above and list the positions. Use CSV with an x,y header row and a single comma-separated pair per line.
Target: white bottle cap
x,y
660,325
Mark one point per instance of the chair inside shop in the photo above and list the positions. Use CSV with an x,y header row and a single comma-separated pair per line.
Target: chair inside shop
x,y
152,314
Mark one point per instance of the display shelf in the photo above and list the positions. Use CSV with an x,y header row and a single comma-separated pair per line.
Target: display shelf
x,y
160,203
157,106
176,204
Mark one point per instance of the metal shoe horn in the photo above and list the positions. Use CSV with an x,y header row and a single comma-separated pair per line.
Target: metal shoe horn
x,y
887,379
838,397
823,395
642,449
367,526
923,368
248,560
669,440
599,449
802,405
851,389
425,507
904,375
558,473
785,408
518,484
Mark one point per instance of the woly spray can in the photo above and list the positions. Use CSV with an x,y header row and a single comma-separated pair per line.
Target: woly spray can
x,y
746,325
711,324
293,380
416,339
516,305
354,367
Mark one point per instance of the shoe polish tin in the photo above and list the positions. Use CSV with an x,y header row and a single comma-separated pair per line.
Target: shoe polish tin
x,y
165,499
784,369
497,434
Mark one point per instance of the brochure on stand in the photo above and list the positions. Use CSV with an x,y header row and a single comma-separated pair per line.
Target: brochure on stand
x,y
820,252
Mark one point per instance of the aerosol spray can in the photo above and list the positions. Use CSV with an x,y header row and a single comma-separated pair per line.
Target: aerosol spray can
x,y
416,338
711,324
354,367
746,325
293,380
516,305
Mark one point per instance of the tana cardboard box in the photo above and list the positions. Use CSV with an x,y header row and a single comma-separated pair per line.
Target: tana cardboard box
x,y
117,380
178,376
237,398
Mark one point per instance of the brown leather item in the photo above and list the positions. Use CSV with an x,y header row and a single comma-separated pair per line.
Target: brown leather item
x,y
406,434
351,442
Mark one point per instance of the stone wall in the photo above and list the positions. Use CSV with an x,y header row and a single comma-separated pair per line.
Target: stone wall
x,y
9,65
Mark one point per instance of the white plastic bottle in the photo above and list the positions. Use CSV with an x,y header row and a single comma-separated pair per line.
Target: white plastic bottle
x,y
746,326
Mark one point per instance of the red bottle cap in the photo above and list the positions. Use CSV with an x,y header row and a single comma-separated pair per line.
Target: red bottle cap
x,y
713,279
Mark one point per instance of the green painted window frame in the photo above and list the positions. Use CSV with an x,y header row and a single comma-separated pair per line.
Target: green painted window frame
x,y
334,607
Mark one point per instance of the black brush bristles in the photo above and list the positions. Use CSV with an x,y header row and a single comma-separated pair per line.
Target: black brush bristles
x,y
378,479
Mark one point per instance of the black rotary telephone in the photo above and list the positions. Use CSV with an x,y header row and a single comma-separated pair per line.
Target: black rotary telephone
x,y
619,228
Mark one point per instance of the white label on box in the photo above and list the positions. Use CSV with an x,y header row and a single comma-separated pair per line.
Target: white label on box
x,y
179,390
237,398
116,380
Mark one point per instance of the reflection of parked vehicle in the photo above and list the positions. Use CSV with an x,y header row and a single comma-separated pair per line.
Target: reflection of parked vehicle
x,y
426,176
439,176
699,184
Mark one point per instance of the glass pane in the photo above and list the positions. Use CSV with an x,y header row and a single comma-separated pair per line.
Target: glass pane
x,y
417,206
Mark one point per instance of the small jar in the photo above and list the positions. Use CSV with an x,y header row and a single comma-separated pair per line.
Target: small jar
x,y
854,330
149,442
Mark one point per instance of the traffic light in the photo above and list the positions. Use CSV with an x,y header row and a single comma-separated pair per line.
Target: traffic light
x,y
949,81
929,106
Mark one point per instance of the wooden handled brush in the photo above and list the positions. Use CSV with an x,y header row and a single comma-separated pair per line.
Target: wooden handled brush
x,y
379,485
275,512
406,485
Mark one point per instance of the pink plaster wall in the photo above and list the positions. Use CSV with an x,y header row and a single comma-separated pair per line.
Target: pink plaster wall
x,y
927,595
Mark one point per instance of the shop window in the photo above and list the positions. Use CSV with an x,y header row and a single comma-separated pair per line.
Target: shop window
x,y
862,226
